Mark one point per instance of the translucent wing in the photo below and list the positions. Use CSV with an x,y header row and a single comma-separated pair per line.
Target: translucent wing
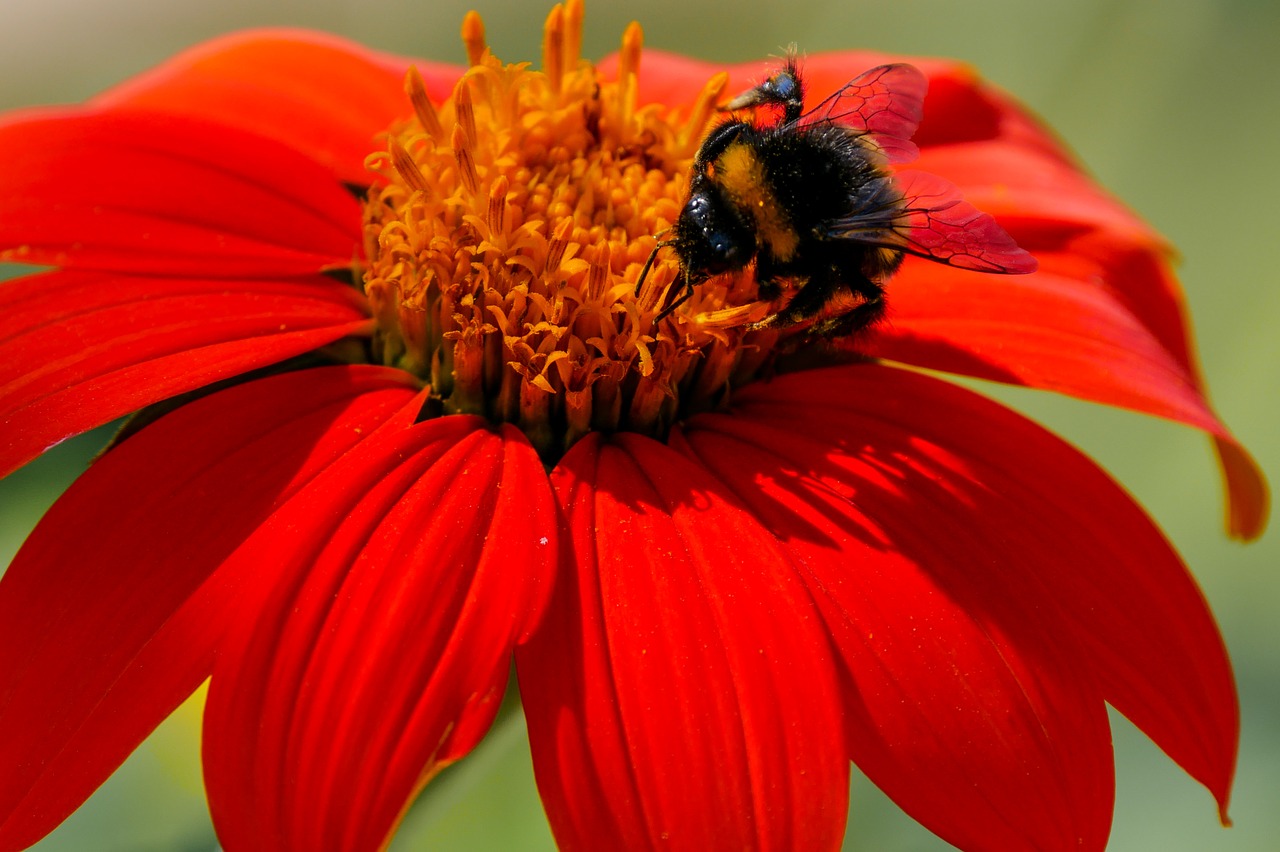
x,y
927,216
884,103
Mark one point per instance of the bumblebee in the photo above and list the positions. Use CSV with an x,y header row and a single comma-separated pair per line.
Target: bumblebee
x,y
810,199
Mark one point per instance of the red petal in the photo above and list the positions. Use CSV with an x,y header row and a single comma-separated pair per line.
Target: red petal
x,y
111,612
155,193
961,711
412,568
1248,497
680,691
79,349
1070,224
1046,331
1059,330
1127,603
320,94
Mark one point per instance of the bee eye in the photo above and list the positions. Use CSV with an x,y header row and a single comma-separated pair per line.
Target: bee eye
x,y
726,252
713,236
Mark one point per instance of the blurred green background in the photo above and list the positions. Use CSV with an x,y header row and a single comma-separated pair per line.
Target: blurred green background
x,y
1172,106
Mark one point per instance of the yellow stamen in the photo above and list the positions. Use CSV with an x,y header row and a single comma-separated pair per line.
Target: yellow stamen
x,y
628,70
598,274
735,317
553,64
573,14
408,169
465,162
422,106
629,58
696,126
498,207
559,241
464,109
473,38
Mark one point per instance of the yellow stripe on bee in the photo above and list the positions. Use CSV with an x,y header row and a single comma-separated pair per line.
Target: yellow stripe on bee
x,y
741,174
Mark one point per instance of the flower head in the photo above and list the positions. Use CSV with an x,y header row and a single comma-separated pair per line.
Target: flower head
x,y
403,413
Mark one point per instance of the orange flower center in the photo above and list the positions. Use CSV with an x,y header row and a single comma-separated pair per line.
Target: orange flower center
x,y
506,239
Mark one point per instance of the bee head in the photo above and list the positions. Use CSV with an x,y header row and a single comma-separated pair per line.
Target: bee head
x,y
710,235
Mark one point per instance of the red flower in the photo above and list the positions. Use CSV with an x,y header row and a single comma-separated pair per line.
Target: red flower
x,y
714,601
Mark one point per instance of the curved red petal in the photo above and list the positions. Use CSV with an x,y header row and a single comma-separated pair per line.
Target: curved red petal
x,y
79,349
111,612
1071,225
962,708
1064,329
680,693
1046,331
156,193
411,570
1248,496
1127,602
315,92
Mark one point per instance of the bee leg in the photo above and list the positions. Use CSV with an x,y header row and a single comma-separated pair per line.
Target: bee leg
x,y
809,301
767,286
767,291
850,323
842,319
823,299
680,300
